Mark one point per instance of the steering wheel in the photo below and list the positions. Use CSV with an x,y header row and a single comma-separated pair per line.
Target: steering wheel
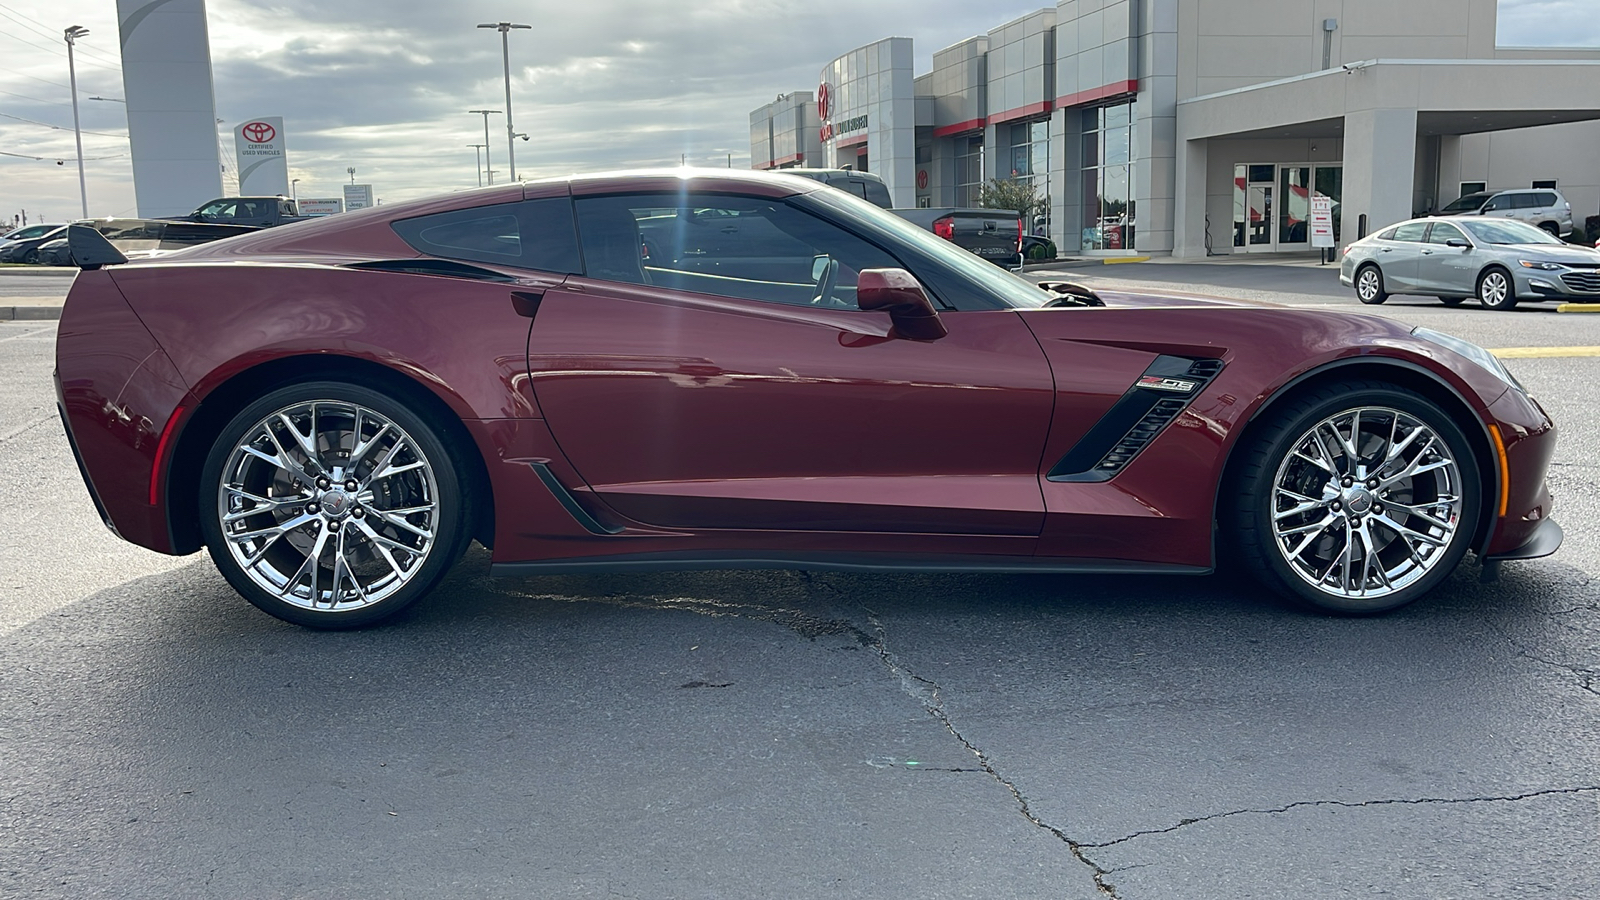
x,y
825,285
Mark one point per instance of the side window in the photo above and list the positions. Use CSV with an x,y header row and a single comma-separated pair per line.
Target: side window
x,y
752,248
533,234
1411,231
1498,202
1545,200
878,194
1443,233
1387,235
1524,201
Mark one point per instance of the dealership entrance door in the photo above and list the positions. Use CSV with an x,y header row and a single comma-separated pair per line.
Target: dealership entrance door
x,y
1272,204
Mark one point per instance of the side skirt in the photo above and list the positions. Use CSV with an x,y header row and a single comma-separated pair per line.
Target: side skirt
x,y
996,565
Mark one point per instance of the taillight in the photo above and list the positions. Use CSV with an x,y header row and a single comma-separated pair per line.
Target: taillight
x,y
945,228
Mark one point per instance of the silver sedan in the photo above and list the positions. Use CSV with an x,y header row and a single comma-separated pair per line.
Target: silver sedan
x,y
1455,257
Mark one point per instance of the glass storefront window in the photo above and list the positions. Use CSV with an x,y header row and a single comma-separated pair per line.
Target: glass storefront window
x,y
1108,184
969,171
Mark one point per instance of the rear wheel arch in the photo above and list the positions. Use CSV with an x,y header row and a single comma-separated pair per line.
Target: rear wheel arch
x,y
1402,374
223,402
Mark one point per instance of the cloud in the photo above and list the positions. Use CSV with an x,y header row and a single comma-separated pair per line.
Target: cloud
x,y
1549,23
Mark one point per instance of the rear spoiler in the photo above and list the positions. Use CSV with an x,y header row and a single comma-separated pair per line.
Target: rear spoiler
x,y
90,250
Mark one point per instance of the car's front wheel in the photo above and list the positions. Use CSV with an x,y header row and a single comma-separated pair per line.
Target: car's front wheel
x,y
1357,498
1496,290
1369,285
332,505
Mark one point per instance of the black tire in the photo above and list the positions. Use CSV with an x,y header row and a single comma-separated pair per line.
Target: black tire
x,y
30,258
1369,285
1552,228
399,579
1496,289
1452,301
1269,457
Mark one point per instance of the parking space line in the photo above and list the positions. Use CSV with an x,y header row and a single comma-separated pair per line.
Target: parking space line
x,y
1544,352
25,334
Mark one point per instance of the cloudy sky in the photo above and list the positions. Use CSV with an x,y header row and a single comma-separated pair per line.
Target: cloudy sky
x,y
383,85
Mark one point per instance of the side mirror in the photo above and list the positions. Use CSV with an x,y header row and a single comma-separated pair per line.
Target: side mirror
x,y
1458,243
896,292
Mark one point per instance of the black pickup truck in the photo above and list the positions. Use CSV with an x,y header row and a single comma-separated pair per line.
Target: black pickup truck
x,y
994,234
254,212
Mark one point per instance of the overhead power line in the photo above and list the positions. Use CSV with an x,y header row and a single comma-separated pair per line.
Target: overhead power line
x,y
61,158
59,128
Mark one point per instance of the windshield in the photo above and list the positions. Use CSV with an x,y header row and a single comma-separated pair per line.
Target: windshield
x,y
1016,291
1502,231
32,231
1469,203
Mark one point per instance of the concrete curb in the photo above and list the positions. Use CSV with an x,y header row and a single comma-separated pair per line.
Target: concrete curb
x,y
29,313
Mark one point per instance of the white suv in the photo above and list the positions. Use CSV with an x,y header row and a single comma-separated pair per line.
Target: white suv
x,y
1544,207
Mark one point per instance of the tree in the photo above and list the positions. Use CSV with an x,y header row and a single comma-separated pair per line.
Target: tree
x,y
1012,194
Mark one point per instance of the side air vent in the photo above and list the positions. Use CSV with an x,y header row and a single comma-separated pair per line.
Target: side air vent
x,y
442,268
1164,391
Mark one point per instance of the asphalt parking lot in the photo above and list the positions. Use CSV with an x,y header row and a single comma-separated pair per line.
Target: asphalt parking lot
x,y
778,734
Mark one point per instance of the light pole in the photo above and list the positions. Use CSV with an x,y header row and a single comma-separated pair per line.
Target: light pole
x,y
505,52
72,34
488,166
294,191
477,154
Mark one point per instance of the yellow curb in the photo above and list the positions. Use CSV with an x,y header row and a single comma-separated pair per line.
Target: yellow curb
x,y
1114,260
1544,352
1578,307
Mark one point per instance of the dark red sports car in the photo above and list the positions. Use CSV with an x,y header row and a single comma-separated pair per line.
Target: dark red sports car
x,y
686,369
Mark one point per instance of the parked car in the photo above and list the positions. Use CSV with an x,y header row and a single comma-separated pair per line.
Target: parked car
x,y
55,253
341,407
1497,261
26,232
26,250
259,212
984,232
1543,207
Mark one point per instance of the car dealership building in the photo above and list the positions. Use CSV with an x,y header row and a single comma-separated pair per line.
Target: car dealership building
x,y
1189,127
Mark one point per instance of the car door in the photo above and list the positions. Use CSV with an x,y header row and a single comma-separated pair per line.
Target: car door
x,y
744,393
1398,256
1446,270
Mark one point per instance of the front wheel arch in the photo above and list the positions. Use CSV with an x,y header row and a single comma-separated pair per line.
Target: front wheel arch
x,y
194,439
1402,374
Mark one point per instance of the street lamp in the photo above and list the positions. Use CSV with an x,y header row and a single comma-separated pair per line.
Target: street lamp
x,y
294,192
477,154
486,113
505,52
72,34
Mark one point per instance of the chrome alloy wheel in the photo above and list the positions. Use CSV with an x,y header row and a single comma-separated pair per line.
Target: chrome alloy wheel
x,y
1494,289
328,505
1368,285
1367,502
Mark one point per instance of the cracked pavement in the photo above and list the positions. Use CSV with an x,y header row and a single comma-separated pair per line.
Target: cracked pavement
x,y
779,734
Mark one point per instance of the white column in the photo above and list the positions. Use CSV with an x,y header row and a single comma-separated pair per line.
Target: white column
x,y
1380,153
1189,214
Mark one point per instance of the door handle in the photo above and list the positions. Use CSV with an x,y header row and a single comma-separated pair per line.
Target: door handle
x,y
526,303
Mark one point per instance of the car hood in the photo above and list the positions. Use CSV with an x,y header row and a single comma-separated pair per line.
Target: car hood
x,y
1567,255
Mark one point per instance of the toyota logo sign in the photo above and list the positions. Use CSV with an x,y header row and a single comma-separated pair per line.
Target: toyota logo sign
x,y
259,132
824,102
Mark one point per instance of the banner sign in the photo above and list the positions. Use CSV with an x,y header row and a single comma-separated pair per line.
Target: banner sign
x,y
357,196
321,206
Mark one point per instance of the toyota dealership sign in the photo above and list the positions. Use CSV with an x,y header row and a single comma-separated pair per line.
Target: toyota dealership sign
x,y
262,156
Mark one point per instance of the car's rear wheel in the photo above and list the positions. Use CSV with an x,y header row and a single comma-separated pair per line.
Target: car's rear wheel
x,y
1369,285
332,505
1357,498
1496,290
1552,228
1452,301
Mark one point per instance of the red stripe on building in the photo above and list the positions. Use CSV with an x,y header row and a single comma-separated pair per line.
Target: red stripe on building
x,y
781,161
1021,112
1114,89
958,128
851,141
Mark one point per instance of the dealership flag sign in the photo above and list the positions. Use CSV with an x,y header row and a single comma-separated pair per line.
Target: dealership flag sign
x,y
262,155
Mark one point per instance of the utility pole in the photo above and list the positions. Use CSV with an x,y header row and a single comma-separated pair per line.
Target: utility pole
x,y
505,53
72,34
486,113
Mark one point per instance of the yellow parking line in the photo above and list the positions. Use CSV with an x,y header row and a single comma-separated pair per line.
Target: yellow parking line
x,y
1544,352
1578,307
1113,260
